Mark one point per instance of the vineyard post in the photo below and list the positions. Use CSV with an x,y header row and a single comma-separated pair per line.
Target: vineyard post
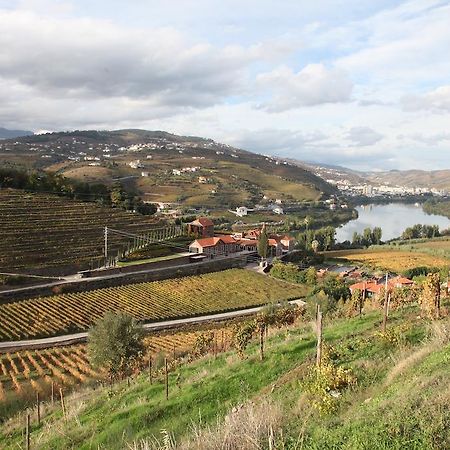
x,y
38,408
386,305
215,346
166,373
174,352
150,370
63,406
27,432
319,336
53,393
261,342
222,345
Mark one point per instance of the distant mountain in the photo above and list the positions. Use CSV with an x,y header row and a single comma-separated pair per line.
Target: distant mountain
x,y
167,168
11,134
437,179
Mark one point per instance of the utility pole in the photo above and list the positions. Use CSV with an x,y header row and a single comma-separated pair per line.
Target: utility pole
x,y
106,245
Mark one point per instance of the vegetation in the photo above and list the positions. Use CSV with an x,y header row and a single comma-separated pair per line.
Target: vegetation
x,y
389,259
323,239
421,231
49,182
370,392
440,207
115,344
153,301
43,230
368,237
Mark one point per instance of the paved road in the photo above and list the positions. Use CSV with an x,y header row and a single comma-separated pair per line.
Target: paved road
x,y
155,326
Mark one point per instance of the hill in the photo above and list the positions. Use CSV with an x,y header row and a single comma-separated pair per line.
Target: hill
x,y
375,391
43,230
436,179
164,167
11,134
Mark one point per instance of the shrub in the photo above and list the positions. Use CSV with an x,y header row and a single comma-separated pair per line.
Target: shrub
x,y
115,344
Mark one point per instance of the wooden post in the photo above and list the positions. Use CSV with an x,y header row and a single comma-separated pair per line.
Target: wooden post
x,y
38,408
53,393
261,342
63,406
319,336
150,375
166,378
222,345
174,352
214,345
386,305
27,432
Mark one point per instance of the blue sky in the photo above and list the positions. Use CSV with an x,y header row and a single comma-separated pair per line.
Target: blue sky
x,y
360,83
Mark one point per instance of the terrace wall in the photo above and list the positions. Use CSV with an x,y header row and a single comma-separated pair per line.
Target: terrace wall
x,y
154,274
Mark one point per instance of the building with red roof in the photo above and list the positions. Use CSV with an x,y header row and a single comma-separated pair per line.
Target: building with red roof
x,y
201,227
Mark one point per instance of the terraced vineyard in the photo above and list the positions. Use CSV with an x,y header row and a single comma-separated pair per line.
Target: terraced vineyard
x,y
152,301
40,230
24,373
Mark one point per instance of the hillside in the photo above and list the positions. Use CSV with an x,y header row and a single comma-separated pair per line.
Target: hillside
x,y
437,179
41,230
397,397
229,176
11,134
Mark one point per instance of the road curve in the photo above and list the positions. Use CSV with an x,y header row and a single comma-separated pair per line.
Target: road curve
x,y
154,326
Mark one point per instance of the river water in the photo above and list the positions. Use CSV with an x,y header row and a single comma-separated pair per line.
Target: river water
x,y
392,218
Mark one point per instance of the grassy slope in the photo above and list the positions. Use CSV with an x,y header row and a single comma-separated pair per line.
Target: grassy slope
x,y
399,402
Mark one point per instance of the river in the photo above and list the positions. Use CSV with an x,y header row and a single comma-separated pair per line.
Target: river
x,y
392,218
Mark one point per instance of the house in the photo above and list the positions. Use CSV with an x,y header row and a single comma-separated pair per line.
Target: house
x,y
275,247
136,164
202,180
202,227
241,211
145,174
176,172
288,243
218,245
278,210
249,245
374,287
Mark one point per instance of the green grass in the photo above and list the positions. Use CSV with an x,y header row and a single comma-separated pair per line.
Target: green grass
x,y
389,407
148,260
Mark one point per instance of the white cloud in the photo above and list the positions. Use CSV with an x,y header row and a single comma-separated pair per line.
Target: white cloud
x,y
437,100
313,85
363,136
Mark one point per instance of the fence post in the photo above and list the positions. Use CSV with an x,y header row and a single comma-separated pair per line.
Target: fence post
x,y
38,408
261,342
166,370
63,406
27,432
319,336
150,370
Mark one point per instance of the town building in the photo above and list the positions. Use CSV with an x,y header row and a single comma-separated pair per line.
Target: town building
x,y
202,227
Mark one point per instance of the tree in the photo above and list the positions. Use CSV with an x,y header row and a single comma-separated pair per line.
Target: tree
x,y
115,344
377,233
263,243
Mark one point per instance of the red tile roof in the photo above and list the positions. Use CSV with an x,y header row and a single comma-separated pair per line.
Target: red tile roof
x,y
213,241
202,222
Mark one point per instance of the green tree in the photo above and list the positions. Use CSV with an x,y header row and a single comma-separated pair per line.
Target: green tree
x,y
115,344
263,243
377,233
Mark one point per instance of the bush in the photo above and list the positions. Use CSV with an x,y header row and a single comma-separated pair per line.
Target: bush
x,y
115,344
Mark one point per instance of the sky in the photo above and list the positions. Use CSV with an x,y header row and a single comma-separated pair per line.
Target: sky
x,y
359,83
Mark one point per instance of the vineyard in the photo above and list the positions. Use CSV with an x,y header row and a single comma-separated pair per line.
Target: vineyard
x,y
27,372
40,230
394,260
151,301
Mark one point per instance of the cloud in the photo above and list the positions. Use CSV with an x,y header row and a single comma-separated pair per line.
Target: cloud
x,y
93,59
437,100
363,136
430,139
313,85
